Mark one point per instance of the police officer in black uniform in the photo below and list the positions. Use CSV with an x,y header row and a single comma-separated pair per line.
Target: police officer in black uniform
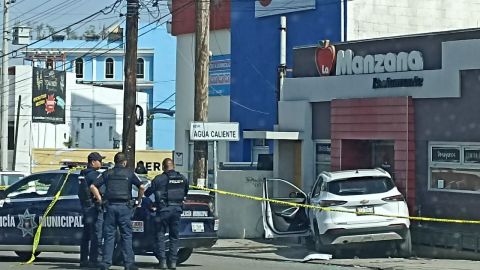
x,y
91,246
118,205
170,189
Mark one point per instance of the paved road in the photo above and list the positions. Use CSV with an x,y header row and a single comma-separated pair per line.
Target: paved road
x,y
253,255
197,261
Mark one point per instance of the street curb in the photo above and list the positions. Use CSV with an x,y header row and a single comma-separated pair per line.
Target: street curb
x,y
284,260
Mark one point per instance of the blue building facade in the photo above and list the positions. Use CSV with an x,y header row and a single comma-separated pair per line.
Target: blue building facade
x,y
100,61
255,50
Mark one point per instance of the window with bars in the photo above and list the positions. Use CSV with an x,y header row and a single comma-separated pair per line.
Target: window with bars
x,y
79,68
140,68
109,68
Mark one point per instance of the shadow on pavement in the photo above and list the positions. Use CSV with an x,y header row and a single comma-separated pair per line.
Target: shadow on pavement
x,y
73,263
54,265
291,249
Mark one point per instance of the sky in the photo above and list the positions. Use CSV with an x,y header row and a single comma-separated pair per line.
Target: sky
x,y
61,13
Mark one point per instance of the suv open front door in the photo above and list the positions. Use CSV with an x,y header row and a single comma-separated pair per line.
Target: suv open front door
x,y
283,220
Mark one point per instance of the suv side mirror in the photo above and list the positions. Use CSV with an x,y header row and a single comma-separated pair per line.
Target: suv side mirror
x,y
3,194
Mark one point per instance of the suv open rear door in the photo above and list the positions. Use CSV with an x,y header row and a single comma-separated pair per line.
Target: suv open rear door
x,y
281,220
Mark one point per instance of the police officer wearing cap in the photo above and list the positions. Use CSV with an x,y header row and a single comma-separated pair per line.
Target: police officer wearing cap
x,y
91,246
118,195
170,189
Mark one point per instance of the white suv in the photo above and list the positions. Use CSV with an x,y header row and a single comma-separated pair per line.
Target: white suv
x,y
359,195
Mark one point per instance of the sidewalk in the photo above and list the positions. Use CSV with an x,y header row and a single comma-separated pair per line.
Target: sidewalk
x,y
289,251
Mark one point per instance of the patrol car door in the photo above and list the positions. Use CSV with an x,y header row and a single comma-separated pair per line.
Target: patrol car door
x,y
24,202
65,219
283,220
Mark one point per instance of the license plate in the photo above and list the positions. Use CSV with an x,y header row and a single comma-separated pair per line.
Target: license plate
x,y
137,226
365,210
216,225
197,227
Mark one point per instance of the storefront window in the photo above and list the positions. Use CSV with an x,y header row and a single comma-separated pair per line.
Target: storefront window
x,y
455,167
322,157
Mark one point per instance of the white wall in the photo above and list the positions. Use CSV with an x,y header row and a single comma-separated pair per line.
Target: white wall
x,y
84,103
241,218
219,106
101,108
381,18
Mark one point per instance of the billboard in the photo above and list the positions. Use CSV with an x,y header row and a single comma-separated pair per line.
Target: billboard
x,y
48,96
274,7
219,76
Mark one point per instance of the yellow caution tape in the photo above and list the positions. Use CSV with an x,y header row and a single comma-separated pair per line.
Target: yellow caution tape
x,y
317,207
38,233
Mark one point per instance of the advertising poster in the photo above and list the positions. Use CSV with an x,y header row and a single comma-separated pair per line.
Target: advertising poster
x,y
219,76
48,96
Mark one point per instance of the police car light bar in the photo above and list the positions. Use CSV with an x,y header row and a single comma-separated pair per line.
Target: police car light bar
x,y
65,165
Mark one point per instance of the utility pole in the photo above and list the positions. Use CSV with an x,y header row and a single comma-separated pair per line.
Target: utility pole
x,y
4,107
202,62
282,68
130,85
17,124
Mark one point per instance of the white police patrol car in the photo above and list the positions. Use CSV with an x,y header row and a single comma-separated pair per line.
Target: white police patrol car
x,y
23,204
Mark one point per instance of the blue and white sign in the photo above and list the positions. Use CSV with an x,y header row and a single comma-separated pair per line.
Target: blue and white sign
x,y
274,7
219,76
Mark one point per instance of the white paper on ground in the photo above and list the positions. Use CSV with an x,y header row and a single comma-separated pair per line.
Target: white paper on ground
x,y
317,256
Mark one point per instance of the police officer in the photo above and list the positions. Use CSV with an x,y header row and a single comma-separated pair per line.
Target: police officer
x,y
91,246
170,189
118,195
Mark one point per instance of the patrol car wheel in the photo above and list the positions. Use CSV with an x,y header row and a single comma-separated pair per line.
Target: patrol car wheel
x,y
25,256
183,254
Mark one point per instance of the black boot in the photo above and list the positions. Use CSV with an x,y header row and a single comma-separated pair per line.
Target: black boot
x,y
173,265
162,265
131,267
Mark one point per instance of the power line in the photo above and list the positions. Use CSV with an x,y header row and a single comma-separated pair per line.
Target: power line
x,y
26,12
102,11
149,30
122,43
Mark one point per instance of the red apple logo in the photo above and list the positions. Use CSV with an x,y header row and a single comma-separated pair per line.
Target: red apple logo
x,y
325,59
265,2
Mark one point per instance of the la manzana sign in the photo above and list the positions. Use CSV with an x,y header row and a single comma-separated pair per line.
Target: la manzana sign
x,y
348,64
345,62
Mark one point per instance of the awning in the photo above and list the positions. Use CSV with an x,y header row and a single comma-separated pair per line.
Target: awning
x,y
273,135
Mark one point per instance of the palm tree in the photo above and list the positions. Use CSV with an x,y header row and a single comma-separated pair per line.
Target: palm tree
x,y
51,29
39,30
70,34
90,31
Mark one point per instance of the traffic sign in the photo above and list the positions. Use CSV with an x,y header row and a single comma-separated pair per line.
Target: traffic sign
x,y
216,131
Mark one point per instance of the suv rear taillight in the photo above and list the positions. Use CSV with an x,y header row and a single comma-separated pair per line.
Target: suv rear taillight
x,y
328,203
396,198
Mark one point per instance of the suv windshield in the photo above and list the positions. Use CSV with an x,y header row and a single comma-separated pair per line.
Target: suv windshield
x,y
360,186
